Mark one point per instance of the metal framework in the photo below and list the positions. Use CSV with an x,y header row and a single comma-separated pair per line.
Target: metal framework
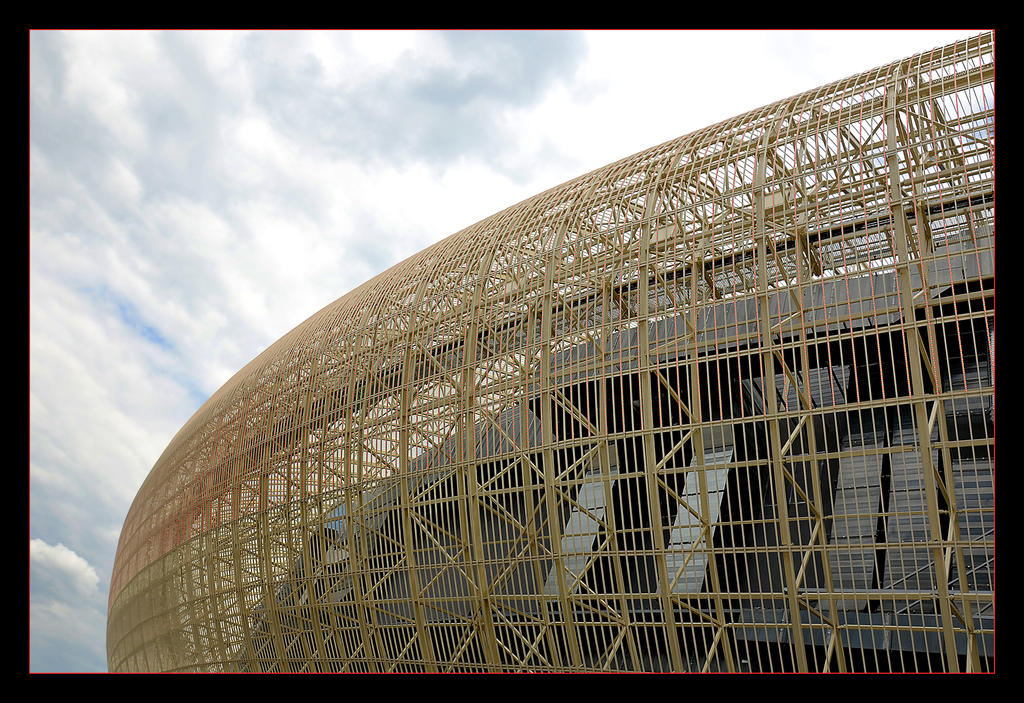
x,y
722,405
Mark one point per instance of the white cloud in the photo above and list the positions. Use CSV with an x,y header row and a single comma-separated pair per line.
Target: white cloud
x,y
101,72
64,637
67,610
58,557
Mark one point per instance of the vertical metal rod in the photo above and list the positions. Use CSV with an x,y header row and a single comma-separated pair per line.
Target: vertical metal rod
x,y
913,341
647,428
551,488
761,236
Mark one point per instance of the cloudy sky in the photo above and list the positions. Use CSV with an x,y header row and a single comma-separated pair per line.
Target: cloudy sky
x,y
195,195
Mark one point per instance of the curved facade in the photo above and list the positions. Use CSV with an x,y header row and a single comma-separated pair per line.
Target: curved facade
x,y
722,405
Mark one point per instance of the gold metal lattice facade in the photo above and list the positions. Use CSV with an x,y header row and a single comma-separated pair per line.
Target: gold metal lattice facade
x,y
722,405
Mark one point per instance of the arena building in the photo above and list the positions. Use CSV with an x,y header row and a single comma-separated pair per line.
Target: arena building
x,y
723,405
